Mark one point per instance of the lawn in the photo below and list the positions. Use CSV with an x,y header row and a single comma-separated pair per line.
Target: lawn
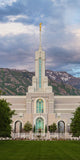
x,y
39,150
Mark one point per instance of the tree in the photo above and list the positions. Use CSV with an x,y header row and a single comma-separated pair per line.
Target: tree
x,y
75,123
52,128
28,126
34,129
5,118
45,128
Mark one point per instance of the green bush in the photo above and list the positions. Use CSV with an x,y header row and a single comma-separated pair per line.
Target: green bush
x,y
28,126
53,127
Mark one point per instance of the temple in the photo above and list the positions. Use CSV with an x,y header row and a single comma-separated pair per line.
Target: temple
x,y
40,106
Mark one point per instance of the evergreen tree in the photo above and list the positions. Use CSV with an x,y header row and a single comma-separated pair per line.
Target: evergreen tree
x,y
45,128
5,118
75,124
34,129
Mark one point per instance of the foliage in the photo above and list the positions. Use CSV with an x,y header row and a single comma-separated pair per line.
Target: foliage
x,y
45,129
2,93
5,118
53,127
34,129
75,123
28,126
39,130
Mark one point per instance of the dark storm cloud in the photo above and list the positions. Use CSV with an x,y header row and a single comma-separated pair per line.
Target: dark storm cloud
x,y
64,56
64,60
33,9
29,7
16,51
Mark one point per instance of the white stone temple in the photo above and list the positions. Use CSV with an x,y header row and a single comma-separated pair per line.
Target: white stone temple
x,y
40,106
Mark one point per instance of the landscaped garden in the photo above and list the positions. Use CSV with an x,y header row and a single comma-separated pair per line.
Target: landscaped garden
x,y
39,150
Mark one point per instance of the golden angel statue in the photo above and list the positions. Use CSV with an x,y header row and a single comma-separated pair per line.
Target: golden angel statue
x,y
40,26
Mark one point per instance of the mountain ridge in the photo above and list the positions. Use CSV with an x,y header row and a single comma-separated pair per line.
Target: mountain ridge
x,y
16,82
65,77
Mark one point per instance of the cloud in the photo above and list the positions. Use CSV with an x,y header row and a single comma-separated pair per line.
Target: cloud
x,y
7,2
57,3
16,28
19,33
16,17
75,31
64,60
15,51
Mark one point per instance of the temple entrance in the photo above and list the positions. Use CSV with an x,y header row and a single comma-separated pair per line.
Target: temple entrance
x,y
61,127
18,127
39,125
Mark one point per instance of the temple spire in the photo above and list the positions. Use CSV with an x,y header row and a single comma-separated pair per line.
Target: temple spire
x,y
40,25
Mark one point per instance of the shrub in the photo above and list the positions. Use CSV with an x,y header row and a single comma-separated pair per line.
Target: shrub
x,y
52,128
28,126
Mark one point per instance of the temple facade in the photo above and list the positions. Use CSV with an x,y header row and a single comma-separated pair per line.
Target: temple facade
x,y
40,106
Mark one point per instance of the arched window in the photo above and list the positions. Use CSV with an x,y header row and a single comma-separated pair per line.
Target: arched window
x,y
61,126
39,125
39,106
18,127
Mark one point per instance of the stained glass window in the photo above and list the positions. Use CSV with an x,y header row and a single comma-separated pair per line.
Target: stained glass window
x,y
39,124
39,72
39,106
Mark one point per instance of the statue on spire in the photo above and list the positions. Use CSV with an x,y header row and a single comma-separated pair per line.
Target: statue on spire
x,y
40,26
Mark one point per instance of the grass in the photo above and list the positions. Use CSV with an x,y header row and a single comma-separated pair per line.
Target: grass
x,y
39,150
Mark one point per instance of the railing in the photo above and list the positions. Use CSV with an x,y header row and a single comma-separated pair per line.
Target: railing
x,y
42,136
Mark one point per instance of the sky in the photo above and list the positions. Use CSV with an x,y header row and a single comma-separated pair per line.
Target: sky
x,y
19,34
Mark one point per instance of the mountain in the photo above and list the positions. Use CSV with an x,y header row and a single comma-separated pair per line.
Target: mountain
x,y
64,77
16,82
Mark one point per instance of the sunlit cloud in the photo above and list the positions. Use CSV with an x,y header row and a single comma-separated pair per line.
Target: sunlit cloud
x,y
16,28
76,32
